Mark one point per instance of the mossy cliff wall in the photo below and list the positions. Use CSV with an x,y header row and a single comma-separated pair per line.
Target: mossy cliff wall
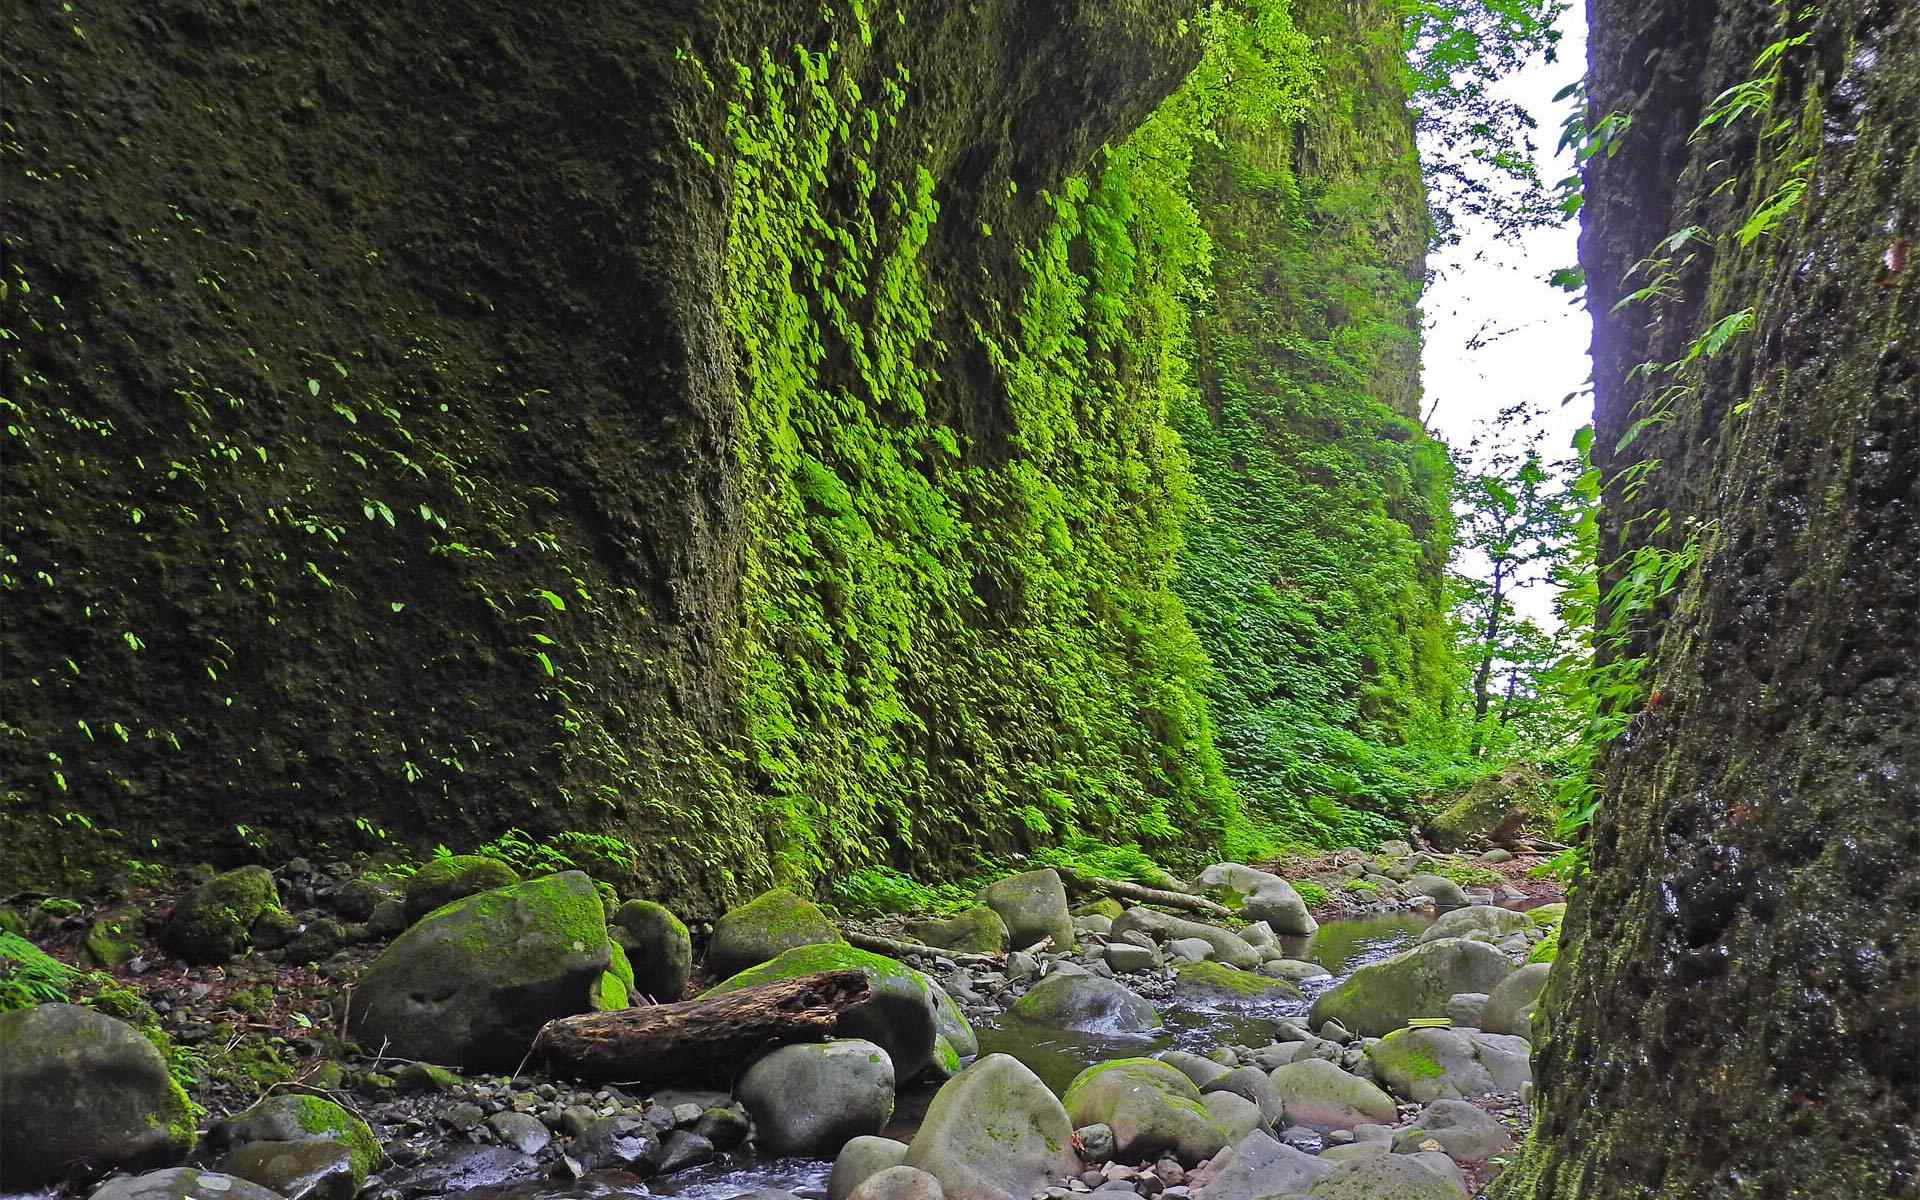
x,y
1736,1005
744,428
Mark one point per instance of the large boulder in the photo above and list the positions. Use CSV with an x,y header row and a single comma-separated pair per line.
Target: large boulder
x,y
1085,1004
1151,1107
1221,986
906,1013
1511,1004
1496,809
281,1119
1378,999
1318,1094
658,947
82,1093
1483,920
764,928
182,1183
1259,895
1424,1065
1387,1177
994,1132
297,1170
1254,1167
1442,891
454,877
214,921
472,982
978,930
1457,1129
1229,948
1033,906
811,1099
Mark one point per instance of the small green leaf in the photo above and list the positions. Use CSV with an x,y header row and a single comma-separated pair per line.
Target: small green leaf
x,y
313,386
553,599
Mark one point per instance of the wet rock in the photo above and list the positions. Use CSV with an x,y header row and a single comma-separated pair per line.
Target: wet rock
x,y
812,1099
1260,895
899,1183
454,877
1457,1129
181,1183
658,947
1034,906
1444,892
978,930
1377,999
299,1119
1424,1065
304,1170
1477,919
214,921
1229,948
520,1131
82,1091
1150,1106
1511,1005
764,928
470,984
724,1127
1318,1093
461,1168
861,1159
994,1132
1219,985
620,1140
1378,1177
1250,1083
1085,1004
1256,1166
679,1150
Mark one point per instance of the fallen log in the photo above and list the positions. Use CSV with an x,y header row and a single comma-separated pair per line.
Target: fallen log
x,y
1121,889
900,949
709,1039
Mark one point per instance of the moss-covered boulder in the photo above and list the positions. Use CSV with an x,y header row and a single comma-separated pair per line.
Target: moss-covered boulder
x,y
1151,1107
765,927
1494,809
907,1012
994,1132
1318,1094
454,877
1424,1065
1259,896
614,989
1257,1166
470,983
1218,985
113,937
1085,1004
860,1160
283,1119
1511,1004
82,1093
1033,905
658,946
978,930
214,921
1378,999
1476,920
1105,906
312,1170
812,1099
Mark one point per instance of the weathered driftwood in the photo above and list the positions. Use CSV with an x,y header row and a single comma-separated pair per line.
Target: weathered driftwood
x,y
708,1039
900,949
1121,889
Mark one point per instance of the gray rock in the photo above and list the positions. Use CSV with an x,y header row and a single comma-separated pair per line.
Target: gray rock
x,y
1511,1005
1424,1065
1465,1008
520,1131
1476,918
460,1168
658,946
1321,1095
1096,1142
282,1119
453,877
1498,854
1259,935
1353,1150
387,920
1085,1004
1261,896
861,1159
1250,1083
1190,949
679,1150
1229,948
306,1170
1377,999
1385,1177
1126,958
994,1132
1456,1129
214,921
1444,892
1293,970
811,1099
1034,906
1201,1070
978,930
900,1183
620,1140
763,928
1257,1166
1150,1106
80,1089
1233,1112
181,1183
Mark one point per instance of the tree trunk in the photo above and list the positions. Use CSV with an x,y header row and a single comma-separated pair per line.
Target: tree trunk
x,y
1736,1009
699,1039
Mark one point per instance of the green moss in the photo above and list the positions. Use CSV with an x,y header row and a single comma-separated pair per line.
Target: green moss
x,y
1223,978
325,1119
610,993
1414,1058
1311,893
1548,950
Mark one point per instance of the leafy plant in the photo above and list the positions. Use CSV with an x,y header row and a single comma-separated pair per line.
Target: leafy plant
x,y
30,976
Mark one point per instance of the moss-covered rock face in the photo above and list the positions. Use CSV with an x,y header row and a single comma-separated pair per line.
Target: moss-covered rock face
x,y
658,946
1151,1108
448,878
1085,1004
762,929
1377,999
300,1119
1497,809
214,921
1223,986
471,983
907,1011
83,1092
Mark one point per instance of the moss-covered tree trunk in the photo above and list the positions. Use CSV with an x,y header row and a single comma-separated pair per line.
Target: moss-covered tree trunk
x,y
1737,1012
